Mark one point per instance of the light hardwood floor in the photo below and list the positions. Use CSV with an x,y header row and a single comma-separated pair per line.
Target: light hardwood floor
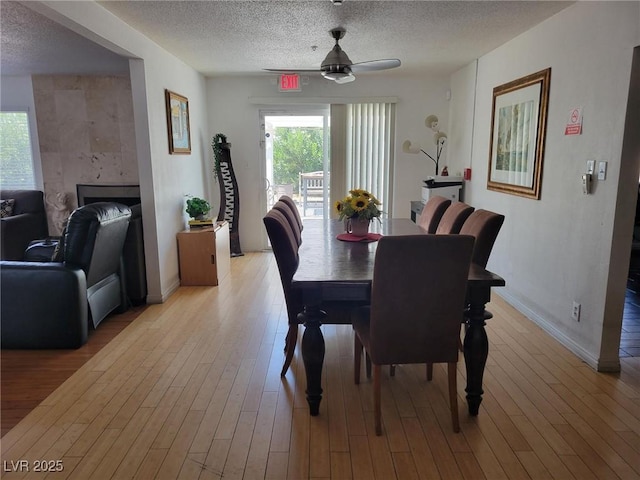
x,y
191,389
30,376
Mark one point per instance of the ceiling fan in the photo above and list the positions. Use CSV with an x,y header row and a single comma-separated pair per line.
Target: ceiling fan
x,y
338,67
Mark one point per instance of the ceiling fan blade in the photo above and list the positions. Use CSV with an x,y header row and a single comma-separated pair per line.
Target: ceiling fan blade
x,y
375,65
346,79
291,70
338,67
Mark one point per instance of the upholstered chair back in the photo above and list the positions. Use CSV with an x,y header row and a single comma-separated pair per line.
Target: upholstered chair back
x,y
432,213
94,239
417,298
285,249
283,208
484,226
292,205
453,218
417,304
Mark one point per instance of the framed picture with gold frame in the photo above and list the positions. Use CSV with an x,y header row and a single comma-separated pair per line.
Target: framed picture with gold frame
x,y
178,123
518,126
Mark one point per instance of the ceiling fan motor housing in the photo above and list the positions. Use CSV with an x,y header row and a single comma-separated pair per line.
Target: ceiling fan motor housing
x,y
336,64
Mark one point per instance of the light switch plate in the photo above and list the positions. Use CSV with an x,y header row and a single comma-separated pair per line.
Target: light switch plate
x,y
602,170
591,166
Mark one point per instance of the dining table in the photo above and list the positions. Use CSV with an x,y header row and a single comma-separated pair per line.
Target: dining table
x,y
341,270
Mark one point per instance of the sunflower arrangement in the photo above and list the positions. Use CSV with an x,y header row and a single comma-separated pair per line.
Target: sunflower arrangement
x,y
358,204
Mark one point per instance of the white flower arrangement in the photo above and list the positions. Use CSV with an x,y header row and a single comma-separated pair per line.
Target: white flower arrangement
x,y
439,138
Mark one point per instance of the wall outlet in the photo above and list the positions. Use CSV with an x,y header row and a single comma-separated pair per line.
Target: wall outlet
x,y
575,311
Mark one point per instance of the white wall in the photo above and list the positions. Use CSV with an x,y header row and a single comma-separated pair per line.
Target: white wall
x,y
234,104
164,178
557,250
461,113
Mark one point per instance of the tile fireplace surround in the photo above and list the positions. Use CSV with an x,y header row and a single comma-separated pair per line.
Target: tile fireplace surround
x,y
86,134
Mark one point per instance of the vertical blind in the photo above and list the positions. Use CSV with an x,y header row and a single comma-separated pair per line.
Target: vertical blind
x,y
365,150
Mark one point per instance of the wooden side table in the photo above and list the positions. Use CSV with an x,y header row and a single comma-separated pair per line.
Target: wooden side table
x,y
204,254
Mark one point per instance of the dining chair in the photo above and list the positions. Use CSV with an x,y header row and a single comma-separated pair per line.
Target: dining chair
x,y
432,213
453,218
283,208
294,208
285,250
484,226
451,222
417,305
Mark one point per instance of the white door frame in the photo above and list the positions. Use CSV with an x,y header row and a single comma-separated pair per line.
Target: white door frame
x,y
293,111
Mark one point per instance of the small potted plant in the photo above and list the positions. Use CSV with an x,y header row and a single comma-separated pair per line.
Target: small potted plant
x,y
198,208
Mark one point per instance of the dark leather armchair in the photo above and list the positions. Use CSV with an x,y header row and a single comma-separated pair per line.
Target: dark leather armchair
x,y
28,222
49,304
134,261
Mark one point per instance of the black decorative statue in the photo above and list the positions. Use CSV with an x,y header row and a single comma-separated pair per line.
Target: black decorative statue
x,y
229,198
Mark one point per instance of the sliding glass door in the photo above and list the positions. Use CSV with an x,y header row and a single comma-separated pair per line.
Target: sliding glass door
x,y
296,158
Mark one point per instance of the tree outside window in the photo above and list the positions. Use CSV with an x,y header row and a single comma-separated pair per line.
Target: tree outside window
x,y
296,150
16,161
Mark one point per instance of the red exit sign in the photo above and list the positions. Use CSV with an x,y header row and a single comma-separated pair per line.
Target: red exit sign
x,y
290,82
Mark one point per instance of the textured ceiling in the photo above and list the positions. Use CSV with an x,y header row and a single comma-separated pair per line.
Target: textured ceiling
x,y
244,37
33,44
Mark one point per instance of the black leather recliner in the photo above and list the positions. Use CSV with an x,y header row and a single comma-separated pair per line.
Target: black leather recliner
x,y
28,222
48,304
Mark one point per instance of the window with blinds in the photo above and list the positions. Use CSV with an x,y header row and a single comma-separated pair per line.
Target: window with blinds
x,y
16,160
362,150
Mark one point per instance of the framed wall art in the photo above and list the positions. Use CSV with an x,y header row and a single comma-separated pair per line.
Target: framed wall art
x,y
518,126
178,123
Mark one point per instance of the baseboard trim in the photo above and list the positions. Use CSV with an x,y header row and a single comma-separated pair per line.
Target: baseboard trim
x,y
165,295
587,357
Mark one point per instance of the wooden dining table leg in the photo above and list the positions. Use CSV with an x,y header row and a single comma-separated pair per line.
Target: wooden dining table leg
x,y
313,355
476,345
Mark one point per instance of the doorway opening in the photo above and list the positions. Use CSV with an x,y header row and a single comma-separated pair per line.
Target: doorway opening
x,y
629,337
296,158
